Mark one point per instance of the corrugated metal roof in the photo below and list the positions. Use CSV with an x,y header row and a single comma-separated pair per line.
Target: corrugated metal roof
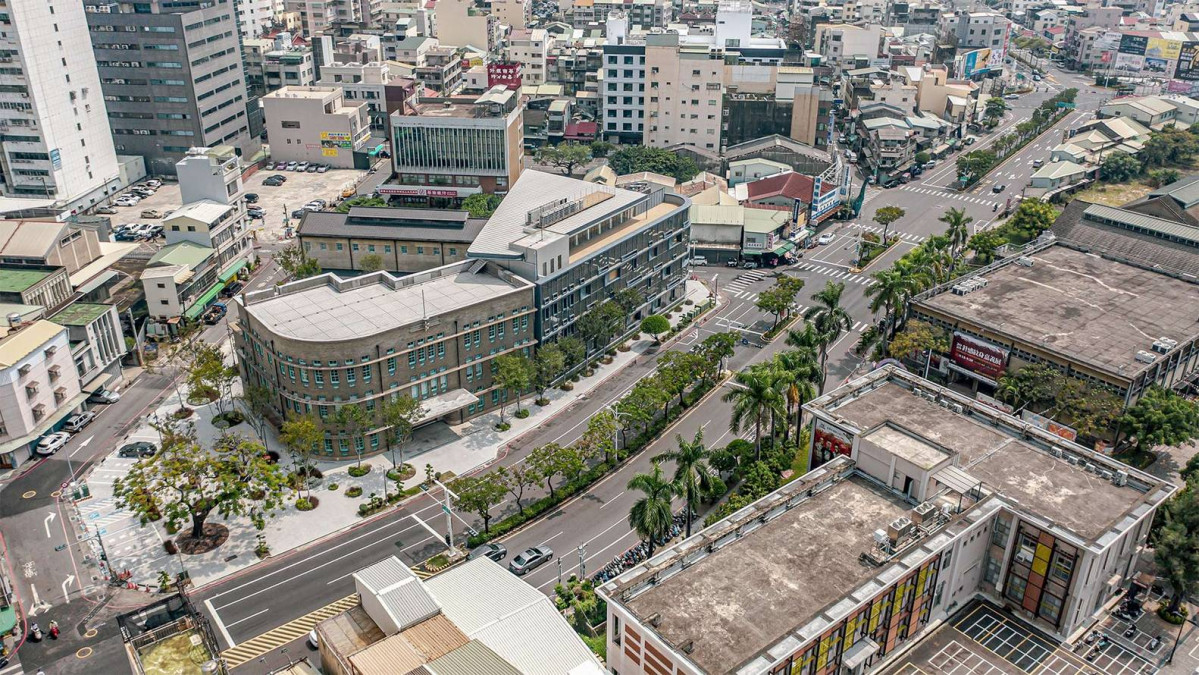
x,y
388,656
1184,191
472,658
1134,219
435,637
513,612
399,592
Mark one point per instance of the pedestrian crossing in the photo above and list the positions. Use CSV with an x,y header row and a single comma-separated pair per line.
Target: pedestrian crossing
x,y
838,273
277,637
743,281
905,236
950,193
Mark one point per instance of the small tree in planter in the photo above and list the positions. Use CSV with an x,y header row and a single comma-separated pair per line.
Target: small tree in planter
x,y
549,362
301,436
353,419
398,417
656,325
512,373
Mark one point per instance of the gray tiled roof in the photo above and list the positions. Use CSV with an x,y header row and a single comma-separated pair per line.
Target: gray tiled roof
x,y
1186,191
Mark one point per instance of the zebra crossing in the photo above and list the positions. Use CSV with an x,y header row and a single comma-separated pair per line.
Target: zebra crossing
x,y
905,236
739,287
835,273
950,193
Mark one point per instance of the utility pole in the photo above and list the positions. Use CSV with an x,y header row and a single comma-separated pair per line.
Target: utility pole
x,y
449,514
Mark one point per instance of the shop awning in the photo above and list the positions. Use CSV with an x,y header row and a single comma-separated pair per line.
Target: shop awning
x,y
232,271
199,305
783,247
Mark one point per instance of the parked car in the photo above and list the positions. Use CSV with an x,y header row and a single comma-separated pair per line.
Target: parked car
x,y
299,213
969,140
826,238
250,197
530,559
890,183
103,396
319,202
106,210
232,289
127,200
154,183
138,450
142,190
151,213
52,443
75,423
1011,97
127,235
302,166
291,166
312,168
154,231
279,166
1036,78
998,187
496,552
930,164
322,168
1038,163
213,315
747,265
272,181
256,213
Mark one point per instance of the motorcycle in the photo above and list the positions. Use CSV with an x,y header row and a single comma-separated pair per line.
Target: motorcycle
x,y
1131,631
1091,637
35,633
994,208
1154,643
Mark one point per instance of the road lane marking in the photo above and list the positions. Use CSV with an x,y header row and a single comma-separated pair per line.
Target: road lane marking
x,y
549,540
617,496
292,630
234,623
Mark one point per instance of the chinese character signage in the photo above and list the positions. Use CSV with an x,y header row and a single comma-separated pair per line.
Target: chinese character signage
x,y
978,356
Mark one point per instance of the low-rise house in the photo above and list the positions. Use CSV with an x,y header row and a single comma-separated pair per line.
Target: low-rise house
x,y
400,240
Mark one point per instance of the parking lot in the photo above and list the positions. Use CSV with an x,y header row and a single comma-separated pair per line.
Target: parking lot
x,y
982,640
276,202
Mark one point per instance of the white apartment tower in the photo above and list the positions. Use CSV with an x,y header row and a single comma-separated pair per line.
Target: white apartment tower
x,y
255,16
56,141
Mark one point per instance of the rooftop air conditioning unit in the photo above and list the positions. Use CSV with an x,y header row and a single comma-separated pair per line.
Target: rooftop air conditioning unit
x,y
1024,261
955,407
900,527
1107,475
922,513
1120,479
1145,357
881,538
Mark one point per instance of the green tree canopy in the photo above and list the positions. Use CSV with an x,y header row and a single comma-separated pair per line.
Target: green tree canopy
x,y
512,373
478,495
1161,417
346,205
1119,167
650,516
186,483
635,158
1032,217
371,262
565,156
481,205
296,262
655,325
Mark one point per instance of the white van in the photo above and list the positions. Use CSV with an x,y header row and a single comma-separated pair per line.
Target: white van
x,y
699,261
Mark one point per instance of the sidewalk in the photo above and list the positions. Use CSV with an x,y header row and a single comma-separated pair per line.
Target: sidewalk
x,y
458,449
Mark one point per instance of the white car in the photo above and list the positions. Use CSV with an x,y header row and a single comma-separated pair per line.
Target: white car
x,y
154,183
826,238
52,443
127,200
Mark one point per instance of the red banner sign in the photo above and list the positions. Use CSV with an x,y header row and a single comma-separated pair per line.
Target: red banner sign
x,y
977,356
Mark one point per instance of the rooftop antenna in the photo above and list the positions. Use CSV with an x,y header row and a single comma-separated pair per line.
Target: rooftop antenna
x,y
424,314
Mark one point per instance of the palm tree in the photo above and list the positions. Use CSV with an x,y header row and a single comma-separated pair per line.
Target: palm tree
x,y
830,320
694,477
753,398
650,516
802,377
958,234
888,293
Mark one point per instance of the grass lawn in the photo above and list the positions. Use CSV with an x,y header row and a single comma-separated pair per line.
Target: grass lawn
x,y
1114,194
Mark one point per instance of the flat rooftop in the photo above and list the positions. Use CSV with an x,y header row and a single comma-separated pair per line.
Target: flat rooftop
x,y
18,280
747,596
1081,502
1080,306
328,308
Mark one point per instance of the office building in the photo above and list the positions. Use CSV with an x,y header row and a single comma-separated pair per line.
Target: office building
x,y
172,79
314,16
267,71
450,148
324,342
317,125
581,243
56,146
395,240
212,174
920,500
978,30
1111,310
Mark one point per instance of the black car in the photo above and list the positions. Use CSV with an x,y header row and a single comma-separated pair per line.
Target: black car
x,y
232,289
890,183
494,551
272,182
298,213
138,450
256,213
250,197
998,187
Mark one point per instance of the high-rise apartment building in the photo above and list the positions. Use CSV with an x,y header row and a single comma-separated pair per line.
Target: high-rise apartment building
x,y
172,78
56,144
254,17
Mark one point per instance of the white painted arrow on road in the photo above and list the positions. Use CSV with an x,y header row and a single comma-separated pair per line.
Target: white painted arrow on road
x,y
65,593
50,519
82,445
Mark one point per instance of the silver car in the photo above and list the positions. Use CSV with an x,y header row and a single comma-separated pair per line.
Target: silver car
x,y
530,559
52,443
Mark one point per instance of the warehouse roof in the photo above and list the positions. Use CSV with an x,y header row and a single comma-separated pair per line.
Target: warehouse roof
x,y
388,223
